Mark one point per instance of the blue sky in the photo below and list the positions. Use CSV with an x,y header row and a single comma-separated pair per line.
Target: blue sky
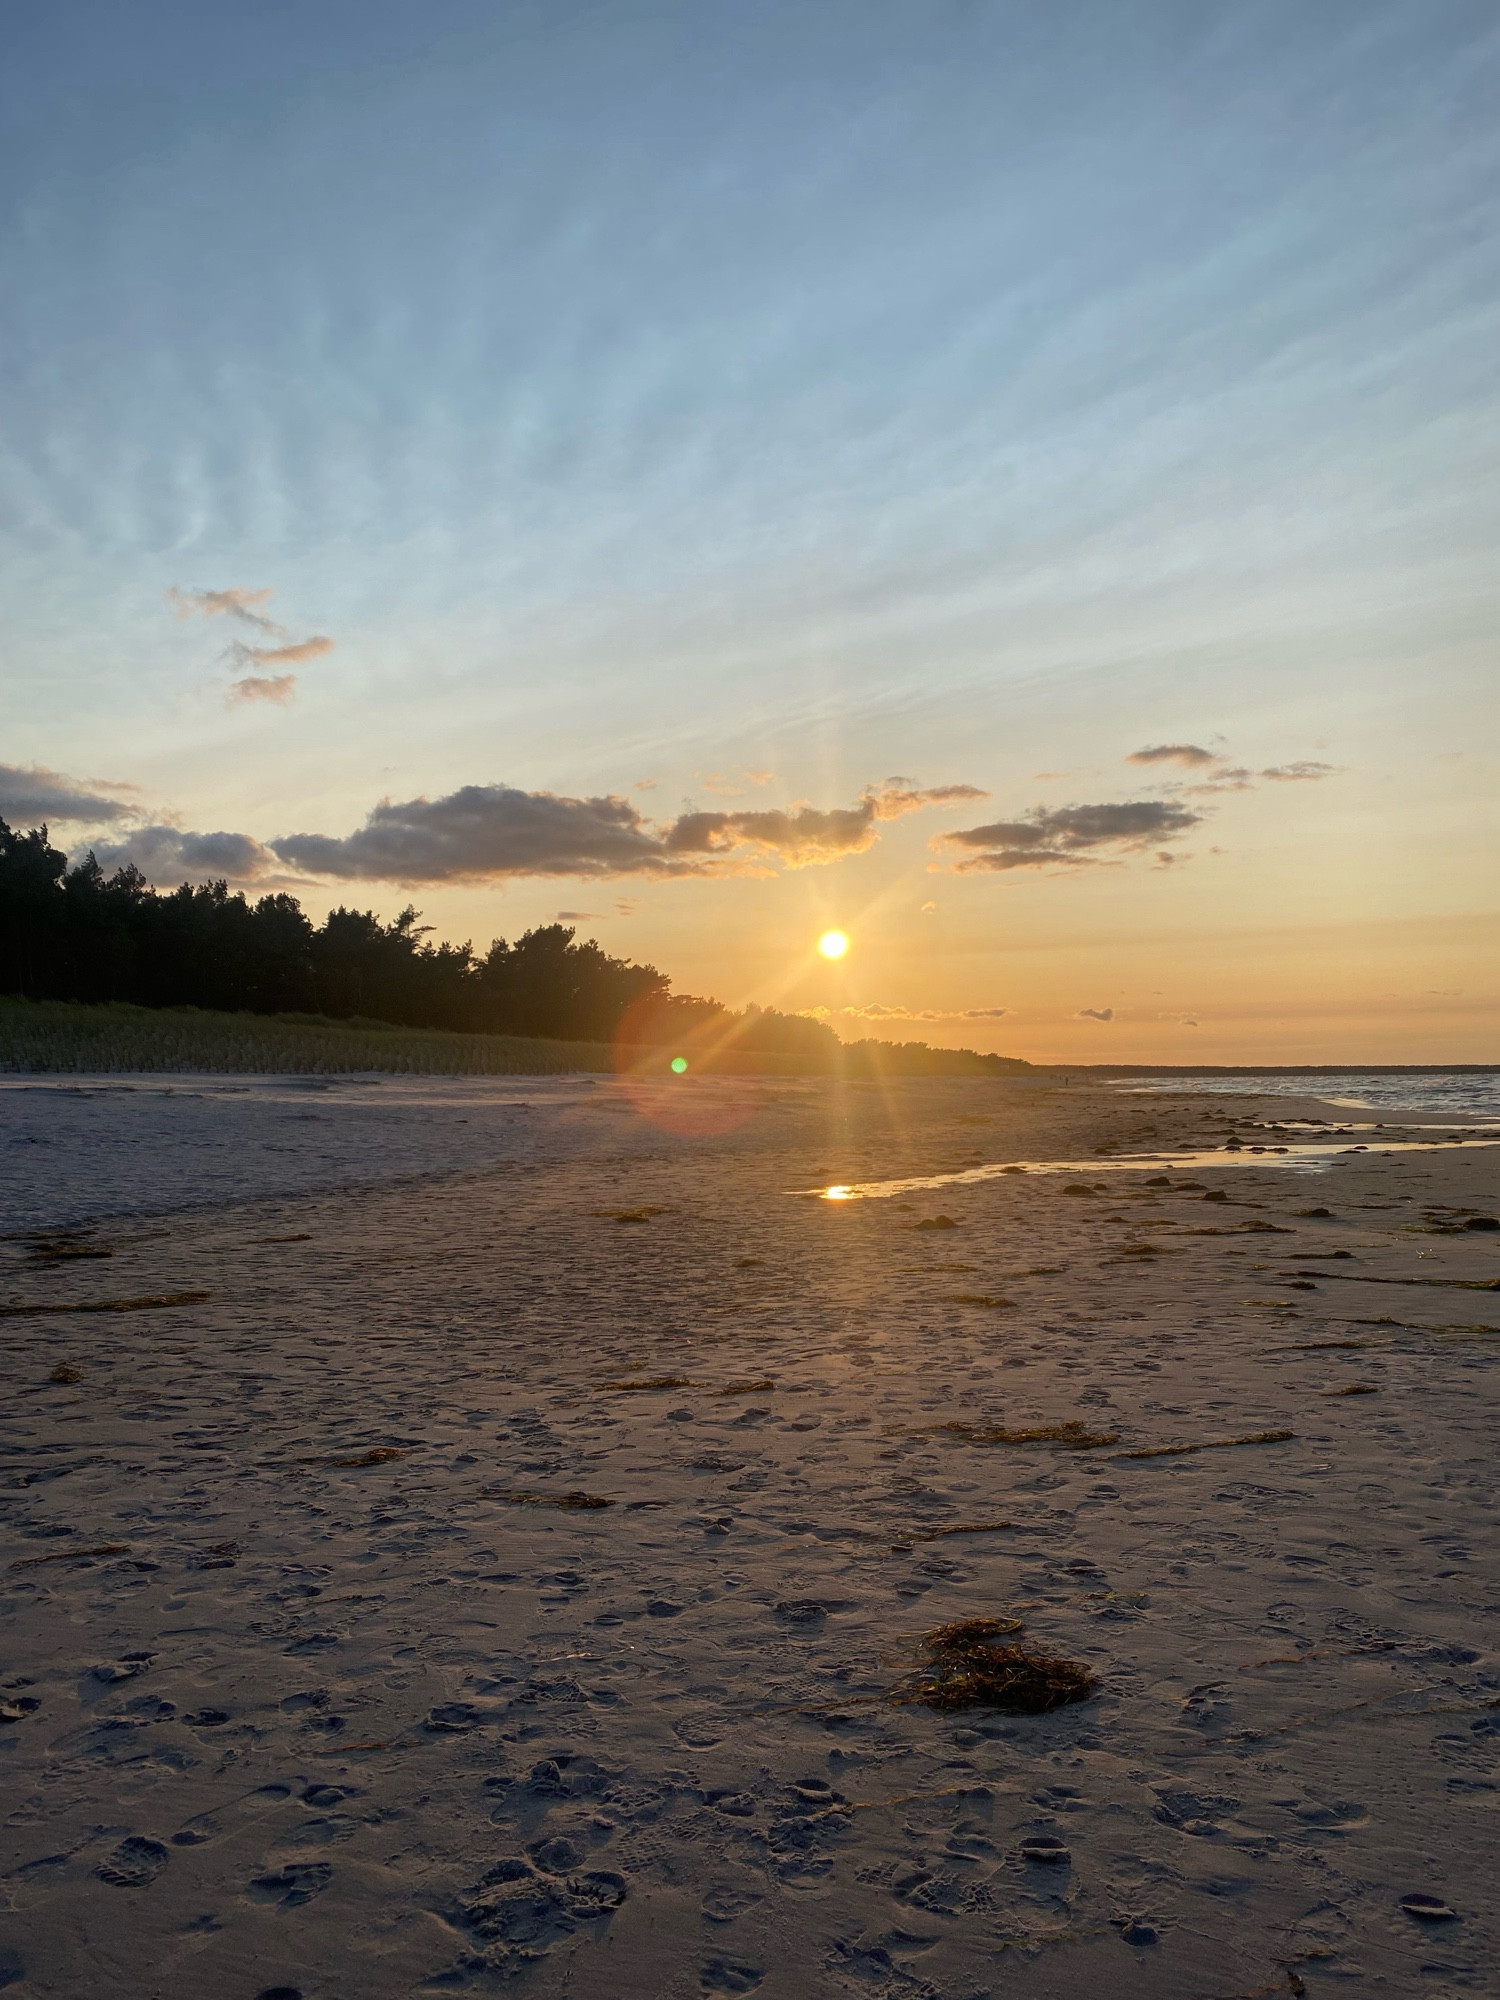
x,y
672,395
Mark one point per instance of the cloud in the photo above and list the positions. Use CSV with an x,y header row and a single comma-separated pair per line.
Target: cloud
x,y
238,604
1095,1014
579,917
1068,835
878,1012
1303,772
489,832
166,853
731,785
1220,774
30,794
1240,778
1173,753
278,687
803,836
280,656
1228,778
247,660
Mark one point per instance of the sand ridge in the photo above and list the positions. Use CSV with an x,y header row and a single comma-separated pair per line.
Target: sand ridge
x,y
325,1695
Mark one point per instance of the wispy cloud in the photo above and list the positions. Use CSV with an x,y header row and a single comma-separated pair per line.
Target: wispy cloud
x,y
488,832
1173,753
1221,775
1095,1014
733,783
1302,772
257,687
1069,835
876,1011
30,795
240,604
256,664
296,654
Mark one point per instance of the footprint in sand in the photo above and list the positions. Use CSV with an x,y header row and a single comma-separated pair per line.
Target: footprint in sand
x,y
724,1904
730,1975
207,1826
124,1669
293,1885
135,1863
1338,1816
452,1718
1428,1909
1046,1850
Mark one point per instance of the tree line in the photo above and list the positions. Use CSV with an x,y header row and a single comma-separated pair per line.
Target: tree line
x,y
77,933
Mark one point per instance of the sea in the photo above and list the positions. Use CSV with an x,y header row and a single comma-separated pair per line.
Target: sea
x,y
1467,1096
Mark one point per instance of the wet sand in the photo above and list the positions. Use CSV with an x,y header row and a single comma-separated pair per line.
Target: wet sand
x,y
310,1688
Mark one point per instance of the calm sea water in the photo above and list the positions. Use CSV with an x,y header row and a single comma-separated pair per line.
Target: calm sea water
x,y
1461,1095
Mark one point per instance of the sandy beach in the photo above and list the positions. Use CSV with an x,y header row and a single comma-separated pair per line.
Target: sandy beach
x,y
311,1687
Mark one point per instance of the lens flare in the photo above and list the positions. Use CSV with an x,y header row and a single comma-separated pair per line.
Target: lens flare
x,y
679,1065
833,944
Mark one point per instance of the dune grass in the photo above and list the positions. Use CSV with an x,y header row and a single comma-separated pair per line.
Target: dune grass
x,y
61,1036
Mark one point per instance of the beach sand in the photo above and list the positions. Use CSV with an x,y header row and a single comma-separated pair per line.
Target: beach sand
x,y
309,1689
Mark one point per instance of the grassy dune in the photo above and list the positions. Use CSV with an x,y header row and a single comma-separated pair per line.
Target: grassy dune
x,y
57,1035
67,1036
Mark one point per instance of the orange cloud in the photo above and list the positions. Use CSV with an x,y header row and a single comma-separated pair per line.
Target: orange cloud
x,y
281,688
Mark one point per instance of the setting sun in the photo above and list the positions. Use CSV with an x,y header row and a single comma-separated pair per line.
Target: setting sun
x,y
833,944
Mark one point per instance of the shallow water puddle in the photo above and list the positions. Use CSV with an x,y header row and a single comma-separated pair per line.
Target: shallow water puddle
x,y
1308,1159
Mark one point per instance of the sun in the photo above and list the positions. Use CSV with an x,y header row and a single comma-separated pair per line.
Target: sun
x,y
833,944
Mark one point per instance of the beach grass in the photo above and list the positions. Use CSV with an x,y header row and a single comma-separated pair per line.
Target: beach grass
x,y
59,1036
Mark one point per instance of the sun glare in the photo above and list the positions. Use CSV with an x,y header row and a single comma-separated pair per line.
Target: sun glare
x,y
833,944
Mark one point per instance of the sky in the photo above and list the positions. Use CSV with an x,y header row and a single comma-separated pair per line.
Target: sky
x,y
1016,483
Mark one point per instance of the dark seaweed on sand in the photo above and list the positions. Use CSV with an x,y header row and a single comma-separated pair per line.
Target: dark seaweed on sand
x,y
72,1555
965,1668
1071,1434
63,1250
652,1382
956,1528
521,1496
109,1305
1208,1444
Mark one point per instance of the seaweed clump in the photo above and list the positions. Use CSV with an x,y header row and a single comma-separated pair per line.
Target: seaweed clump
x,y
1071,1434
965,1668
651,1382
523,1496
109,1305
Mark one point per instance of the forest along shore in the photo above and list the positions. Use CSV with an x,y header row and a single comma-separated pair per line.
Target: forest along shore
x,y
522,1568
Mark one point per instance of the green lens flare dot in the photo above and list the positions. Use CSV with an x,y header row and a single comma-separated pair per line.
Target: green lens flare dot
x,y
679,1064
